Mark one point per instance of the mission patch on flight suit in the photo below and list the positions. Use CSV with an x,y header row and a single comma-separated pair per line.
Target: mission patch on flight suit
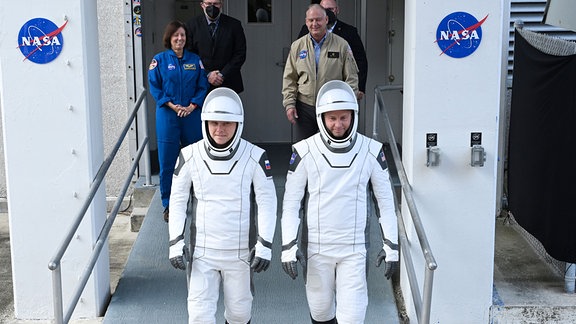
x,y
265,164
294,160
382,159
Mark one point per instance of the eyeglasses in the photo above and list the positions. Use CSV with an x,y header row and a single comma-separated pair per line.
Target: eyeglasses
x,y
331,9
217,4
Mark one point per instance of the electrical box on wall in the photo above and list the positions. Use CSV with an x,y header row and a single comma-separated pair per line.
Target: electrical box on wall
x,y
432,150
477,153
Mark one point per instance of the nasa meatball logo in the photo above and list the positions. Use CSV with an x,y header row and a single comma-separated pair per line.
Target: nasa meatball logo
x,y
459,34
40,40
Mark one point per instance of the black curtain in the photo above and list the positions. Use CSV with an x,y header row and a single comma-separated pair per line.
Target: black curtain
x,y
542,148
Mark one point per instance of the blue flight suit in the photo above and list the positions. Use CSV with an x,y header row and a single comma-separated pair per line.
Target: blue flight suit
x,y
180,81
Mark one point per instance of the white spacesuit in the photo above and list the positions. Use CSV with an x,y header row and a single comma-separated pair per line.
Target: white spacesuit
x,y
336,172
222,177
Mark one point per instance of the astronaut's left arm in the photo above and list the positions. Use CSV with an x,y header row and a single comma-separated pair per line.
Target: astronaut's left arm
x,y
265,193
382,190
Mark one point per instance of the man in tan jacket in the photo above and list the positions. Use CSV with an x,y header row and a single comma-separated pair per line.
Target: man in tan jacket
x,y
314,59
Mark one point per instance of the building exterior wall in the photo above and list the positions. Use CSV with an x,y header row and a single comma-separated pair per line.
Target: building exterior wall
x,y
114,104
111,30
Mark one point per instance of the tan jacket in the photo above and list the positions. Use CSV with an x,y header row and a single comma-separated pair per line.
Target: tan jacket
x,y
301,82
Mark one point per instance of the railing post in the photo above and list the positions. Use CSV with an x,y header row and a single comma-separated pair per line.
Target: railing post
x,y
427,295
57,294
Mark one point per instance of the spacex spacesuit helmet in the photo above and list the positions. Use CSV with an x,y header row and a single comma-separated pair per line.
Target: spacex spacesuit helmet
x,y
336,95
222,104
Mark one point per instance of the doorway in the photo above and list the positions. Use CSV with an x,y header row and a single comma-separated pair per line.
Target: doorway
x,y
268,42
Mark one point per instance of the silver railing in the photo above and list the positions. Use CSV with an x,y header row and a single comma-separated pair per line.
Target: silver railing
x,y
422,303
54,264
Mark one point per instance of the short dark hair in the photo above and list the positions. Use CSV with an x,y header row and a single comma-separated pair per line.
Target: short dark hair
x,y
170,29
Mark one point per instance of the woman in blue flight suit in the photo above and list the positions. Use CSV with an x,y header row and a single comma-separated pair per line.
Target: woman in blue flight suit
x,y
179,85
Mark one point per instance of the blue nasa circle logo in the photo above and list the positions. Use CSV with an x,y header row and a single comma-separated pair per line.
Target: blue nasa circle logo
x,y
40,40
459,34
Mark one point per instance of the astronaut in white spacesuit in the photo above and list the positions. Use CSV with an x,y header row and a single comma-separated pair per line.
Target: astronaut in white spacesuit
x,y
221,169
335,168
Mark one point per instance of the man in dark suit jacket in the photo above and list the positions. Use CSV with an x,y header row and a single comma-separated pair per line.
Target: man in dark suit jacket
x,y
221,47
350,34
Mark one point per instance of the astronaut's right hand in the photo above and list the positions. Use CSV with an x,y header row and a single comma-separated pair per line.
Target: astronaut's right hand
x,y
290,259
177,255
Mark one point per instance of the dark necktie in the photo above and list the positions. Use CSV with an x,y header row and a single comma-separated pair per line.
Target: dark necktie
x,y
212,29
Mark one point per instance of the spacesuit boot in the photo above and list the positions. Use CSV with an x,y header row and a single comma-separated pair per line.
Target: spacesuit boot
x,y
332,321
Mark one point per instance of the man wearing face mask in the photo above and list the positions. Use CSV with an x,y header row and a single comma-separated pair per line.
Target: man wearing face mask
x,y
220,42
350,34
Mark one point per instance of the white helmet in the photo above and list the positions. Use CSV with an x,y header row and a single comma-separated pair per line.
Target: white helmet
x,y
222,104
336,95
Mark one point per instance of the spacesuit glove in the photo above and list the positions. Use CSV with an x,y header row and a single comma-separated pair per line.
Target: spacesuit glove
x,y
260,257
290,259
176,255
391,266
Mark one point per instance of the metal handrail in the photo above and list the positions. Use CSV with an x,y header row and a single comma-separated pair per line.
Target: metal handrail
x,y
55,262
421,304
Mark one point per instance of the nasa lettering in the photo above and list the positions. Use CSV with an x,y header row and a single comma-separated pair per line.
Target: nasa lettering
x,y
40,40
459,34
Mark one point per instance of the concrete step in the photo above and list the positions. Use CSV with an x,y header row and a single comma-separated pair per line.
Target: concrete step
x,y
142,197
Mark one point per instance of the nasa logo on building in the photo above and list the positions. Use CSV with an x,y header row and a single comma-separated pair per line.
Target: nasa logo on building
x,y
40,40
459,34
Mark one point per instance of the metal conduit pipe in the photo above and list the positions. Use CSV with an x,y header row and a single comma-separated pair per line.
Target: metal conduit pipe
x,y
143,118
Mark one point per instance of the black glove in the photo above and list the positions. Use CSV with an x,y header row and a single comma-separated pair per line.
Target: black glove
x,y
178,262
391,266
178,259
257,263
291,267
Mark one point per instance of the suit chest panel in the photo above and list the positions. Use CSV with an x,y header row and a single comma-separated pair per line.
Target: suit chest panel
x,y
334,170
222,178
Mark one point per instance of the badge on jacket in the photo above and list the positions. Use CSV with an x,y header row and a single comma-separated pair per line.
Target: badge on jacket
x,y
190,66
333,55
153,64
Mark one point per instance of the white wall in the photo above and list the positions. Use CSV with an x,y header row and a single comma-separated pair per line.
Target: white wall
x,y
114,106
53,143
454,97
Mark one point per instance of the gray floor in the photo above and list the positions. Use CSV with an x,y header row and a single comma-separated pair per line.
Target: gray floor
x,y
151,291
